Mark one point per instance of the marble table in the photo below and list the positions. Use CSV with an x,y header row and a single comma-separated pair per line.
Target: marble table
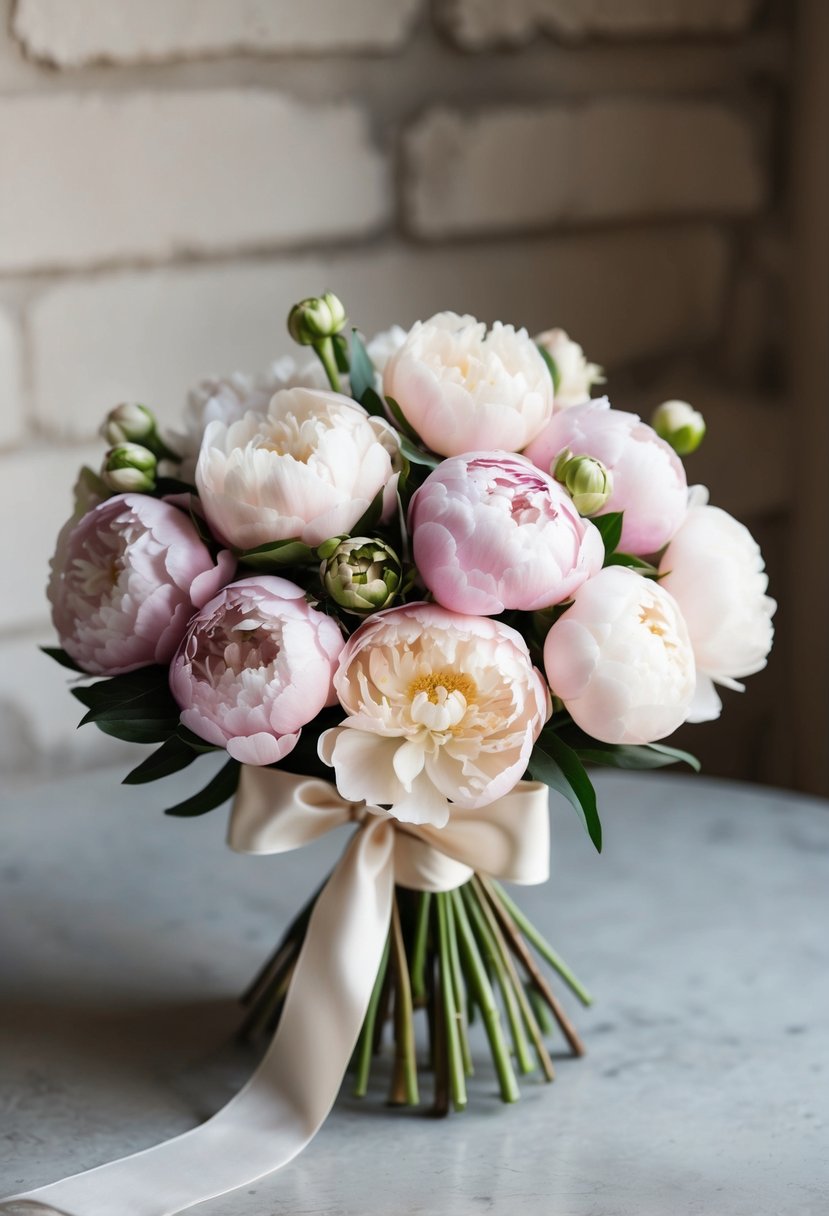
x,y
703,931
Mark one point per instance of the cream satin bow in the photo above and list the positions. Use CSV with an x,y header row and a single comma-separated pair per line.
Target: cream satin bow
x,y
288,1098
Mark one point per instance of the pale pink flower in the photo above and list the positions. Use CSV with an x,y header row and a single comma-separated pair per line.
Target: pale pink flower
x,y
308,468
621,660
714,569
463,389
649,482
490,532
575,376
441,709
125,581
254,667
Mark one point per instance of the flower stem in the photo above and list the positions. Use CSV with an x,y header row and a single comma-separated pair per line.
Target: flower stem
x,y
459,987
486,1000
324,348
451,1013
365,1044
404,1090
487,939
419,948
541,944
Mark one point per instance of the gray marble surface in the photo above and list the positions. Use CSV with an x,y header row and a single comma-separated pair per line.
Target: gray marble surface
x,y
703,931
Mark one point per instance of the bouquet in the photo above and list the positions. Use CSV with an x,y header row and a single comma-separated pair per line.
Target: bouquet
x,y
409,586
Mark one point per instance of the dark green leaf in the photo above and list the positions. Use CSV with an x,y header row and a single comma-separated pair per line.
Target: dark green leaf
x,y
368,521
195,742
136,730
552,366
304,758
633,563
610,526
275,554
416,455
217,791
174,754
558,766
625,755
403,424
172,485
144,693
372,403
340,346
60,656
361,375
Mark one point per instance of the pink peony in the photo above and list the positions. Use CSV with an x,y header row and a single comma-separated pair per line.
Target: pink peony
x,y
492,532
254,667
648,477
462,388
126,580
441,709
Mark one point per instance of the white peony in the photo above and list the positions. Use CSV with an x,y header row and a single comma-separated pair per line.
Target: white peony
x,y
463,389
308,468
575,376
714,569
621,660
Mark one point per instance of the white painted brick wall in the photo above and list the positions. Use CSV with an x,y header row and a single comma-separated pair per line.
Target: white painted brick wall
x,y
90,178
532,168
481,23
85,31
148,335
12,404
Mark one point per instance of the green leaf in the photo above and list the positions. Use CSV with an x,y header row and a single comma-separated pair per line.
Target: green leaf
x,y
135,730
340,345
217,791
60,656
136,706
173,755
372,403
610,526
361,375
403,424
273,555
172,485
195,742
552,366
416,455
367,522
633,563
625,755
558,766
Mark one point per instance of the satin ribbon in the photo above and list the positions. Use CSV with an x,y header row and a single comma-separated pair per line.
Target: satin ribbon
x,y
291,1093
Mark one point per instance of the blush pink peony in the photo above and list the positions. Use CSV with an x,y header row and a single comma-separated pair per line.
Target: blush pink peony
x,y
126,578
254,667
649,482
490,532
441,709
463,389
621,660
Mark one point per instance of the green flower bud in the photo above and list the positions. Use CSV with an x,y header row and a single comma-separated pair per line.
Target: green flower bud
x,y
316,318
679,425
128,423
362,574
129,468
586,480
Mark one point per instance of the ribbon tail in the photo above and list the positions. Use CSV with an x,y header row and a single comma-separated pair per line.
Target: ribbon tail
x,y
289,1096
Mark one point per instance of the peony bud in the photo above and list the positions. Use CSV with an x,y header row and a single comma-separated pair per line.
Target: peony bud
x,y
679,425
129,468
361,574
316,318
586,479
128,423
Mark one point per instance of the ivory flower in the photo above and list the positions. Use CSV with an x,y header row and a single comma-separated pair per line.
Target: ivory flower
x,y
621,660
714,569
490,532
125,581
463,389
575,376
254,667
648,477
441,709
309,468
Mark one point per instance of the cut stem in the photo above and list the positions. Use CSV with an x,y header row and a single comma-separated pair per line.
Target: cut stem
x,y
404,1088
459,988
451,1014
497,892
419,948
365,1044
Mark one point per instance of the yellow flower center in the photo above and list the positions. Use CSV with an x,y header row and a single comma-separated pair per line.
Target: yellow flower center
x,y
449,681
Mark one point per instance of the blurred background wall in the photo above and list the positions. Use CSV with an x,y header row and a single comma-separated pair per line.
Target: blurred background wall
x,y
650,174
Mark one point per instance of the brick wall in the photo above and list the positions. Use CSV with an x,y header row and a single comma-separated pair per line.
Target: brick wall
x,y
176,173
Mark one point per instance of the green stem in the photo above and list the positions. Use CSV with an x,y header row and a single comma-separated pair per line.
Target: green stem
x,y
459,988
419,948
485,936
540,1008
365,1044
486,1000
541,944
325,352
404,1080
457,1078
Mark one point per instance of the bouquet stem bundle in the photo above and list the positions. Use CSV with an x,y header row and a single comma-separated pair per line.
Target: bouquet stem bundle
x,y
456,955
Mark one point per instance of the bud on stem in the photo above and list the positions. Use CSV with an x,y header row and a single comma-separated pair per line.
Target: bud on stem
x,y
129,468
135,423
586,480
315,322
679,425
360,573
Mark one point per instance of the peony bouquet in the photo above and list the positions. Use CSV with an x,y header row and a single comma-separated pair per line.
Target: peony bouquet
x,y
407,587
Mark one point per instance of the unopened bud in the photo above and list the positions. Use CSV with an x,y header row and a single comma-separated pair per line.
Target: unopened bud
x,y
129,468
361,574
679,425
316,318
586,479
128,423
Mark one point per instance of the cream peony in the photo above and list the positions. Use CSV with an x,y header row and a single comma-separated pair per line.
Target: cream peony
x,y
463,389
442,709
575,376
621,660
714,569
309,467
